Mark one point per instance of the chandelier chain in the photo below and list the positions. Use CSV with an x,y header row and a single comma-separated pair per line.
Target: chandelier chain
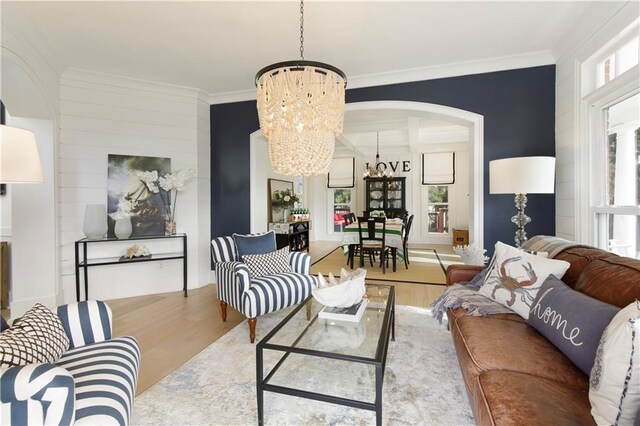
x,y
302,29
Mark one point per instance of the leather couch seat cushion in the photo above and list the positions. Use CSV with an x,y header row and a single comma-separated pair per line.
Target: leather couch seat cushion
x,y
614,280
462,312
485,344
520,399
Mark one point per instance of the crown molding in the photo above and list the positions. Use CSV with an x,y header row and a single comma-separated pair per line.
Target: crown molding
x,y
456,69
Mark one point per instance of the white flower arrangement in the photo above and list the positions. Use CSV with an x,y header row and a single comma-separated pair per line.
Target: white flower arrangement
x,y
172,182
471,255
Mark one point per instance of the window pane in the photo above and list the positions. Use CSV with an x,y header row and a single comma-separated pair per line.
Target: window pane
x,y
619,234
341,206
438,209
622,154
627,56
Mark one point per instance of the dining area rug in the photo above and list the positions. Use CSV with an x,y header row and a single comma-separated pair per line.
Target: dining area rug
x,y
427,266
422,383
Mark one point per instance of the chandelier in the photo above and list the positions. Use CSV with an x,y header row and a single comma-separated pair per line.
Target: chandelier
x,y
372,171
301,110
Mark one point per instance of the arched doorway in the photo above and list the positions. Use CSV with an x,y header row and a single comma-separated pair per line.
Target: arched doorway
x,y
316,192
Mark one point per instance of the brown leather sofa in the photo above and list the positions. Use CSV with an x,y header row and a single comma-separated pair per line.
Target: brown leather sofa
x,y
515,376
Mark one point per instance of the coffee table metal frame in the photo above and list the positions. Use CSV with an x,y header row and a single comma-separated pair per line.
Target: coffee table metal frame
x,y
379,362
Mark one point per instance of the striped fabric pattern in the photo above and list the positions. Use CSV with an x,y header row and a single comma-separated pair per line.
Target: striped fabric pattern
x,y
37,394
105,376
300,262
223,249
233,278
274,292
86,322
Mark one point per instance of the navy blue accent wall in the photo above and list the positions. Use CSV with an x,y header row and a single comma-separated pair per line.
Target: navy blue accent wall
x,y
231,125
519,120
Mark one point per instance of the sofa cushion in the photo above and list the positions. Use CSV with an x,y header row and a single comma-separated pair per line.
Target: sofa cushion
x,y
615,379
38,336
485,344
105,376
262,265
272,293
515,277
614,280
455,313
578,257
509,398
255,244
572,321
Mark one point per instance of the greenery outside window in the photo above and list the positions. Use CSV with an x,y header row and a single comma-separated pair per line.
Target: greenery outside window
x,y
438,209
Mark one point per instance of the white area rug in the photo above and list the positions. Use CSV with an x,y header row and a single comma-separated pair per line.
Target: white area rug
x,y
422,384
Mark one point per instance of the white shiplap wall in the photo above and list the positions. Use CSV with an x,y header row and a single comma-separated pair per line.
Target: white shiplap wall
x,y
601,22
102,115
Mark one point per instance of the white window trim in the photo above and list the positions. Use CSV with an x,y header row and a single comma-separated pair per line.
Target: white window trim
x,y
590,183
436,237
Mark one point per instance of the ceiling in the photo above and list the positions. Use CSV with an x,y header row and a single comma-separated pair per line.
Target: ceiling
x,y
219,46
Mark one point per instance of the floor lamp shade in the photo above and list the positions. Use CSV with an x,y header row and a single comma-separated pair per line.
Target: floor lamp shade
x,y
19,159
522,176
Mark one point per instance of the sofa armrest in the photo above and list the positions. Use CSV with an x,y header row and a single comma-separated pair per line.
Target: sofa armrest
x,y
232,280
457,273
86,322
300,262
37,394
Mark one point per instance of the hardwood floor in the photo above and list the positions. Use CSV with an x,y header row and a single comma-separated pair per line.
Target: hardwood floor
x,y
171,329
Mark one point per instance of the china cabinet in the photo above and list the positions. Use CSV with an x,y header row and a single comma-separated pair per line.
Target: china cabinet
x,y
388,194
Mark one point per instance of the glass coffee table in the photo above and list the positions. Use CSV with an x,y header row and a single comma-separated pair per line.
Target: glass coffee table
x,y
330,361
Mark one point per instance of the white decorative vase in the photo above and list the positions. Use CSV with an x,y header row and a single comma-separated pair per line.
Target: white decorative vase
x,y
285,215
122,228
95,221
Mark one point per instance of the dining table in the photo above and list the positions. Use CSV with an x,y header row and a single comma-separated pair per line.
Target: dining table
x,y
392,235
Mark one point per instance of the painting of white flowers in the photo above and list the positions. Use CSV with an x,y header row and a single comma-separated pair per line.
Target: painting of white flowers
x,y
133,191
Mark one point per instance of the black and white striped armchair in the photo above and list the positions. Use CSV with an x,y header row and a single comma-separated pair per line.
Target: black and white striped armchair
x,y
257,296
94,382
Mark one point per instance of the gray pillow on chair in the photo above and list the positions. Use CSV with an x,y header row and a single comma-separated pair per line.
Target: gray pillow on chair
x,y
255,244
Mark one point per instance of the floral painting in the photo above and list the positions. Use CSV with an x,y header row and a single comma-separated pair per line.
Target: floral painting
x,y
129,196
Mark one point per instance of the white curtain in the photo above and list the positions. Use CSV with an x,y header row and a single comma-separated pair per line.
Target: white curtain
x,y
342,173
439,168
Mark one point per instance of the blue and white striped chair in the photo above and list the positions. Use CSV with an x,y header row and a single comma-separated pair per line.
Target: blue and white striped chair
x,y
94,382
257,296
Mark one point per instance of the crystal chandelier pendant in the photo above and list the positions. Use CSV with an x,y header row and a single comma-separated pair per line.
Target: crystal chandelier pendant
x,y
301,111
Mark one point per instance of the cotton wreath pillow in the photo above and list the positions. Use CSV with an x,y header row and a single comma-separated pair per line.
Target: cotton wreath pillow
x,y
38,336
515,277
614,384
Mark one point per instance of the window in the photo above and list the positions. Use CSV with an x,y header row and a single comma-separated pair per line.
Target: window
x,y
342,198
438,209
617,161
617,63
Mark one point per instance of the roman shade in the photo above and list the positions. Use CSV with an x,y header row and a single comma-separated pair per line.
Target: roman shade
x,y
439,168
342,173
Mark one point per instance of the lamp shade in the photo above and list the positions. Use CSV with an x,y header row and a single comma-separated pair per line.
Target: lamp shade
x,y
522,175
19,159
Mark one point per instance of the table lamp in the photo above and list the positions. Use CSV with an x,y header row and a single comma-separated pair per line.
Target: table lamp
x,y
522,176
19,159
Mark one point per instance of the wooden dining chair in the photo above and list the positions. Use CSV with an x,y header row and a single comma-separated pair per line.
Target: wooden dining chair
x,y
370,243
405,241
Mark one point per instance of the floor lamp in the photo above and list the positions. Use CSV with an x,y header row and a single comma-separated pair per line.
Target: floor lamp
x,y
522,176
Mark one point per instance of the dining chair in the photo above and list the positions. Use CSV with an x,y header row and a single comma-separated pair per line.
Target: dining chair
x,y
405,241
370,243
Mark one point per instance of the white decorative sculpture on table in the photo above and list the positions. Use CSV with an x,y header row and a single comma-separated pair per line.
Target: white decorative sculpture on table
x,y
341,294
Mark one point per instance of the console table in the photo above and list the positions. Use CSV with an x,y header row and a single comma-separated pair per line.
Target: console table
x,y
85,263
293,234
